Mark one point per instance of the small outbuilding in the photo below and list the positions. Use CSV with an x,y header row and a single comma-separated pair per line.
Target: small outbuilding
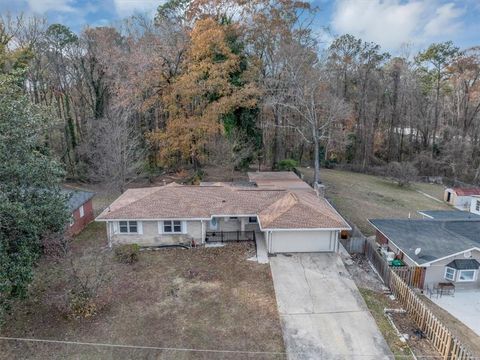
x,y
460,197
80,206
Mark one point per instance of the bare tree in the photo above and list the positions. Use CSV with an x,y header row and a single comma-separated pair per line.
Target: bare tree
x,y
307,95
115,150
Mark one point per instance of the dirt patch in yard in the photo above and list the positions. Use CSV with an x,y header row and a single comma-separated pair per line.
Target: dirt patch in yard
x,y
376,297
204,299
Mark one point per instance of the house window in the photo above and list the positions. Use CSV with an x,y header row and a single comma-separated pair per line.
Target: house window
x,y
82,212
233,217
72,221
128,227
252,220
477,205
466,275
449,274
172,227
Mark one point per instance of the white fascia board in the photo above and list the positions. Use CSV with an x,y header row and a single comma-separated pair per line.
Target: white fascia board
x,y
163,219
333,207
423,214
304,229
449,256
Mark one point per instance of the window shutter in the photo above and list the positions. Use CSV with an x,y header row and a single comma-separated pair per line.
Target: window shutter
x,y
115,227
184,227
140,227
160,227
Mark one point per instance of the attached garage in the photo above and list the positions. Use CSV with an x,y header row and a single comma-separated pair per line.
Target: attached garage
x,y
302,241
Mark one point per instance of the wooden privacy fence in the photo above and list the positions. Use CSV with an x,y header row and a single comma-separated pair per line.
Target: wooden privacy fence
x,y
399,282
412,275
441,338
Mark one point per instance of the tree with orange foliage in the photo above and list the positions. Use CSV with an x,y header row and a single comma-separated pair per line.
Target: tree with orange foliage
x,y
207,91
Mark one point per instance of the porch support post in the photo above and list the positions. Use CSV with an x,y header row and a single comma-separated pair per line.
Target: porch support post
x,y
109,233
203,231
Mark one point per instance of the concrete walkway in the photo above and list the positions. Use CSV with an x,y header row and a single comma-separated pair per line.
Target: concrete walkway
x,y
323,314
262,254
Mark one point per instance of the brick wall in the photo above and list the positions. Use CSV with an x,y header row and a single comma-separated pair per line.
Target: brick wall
x,y
79,223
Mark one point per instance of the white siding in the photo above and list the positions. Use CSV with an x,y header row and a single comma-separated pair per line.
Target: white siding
x,y
435,273
302,241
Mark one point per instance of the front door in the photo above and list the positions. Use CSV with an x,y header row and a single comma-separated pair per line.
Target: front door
x,y
213,224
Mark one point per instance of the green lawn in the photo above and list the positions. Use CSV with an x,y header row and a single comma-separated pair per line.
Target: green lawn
x,y
359,197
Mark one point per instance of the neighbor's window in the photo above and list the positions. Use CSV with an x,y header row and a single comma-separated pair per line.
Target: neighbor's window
x,y
477,205
128,227
72,221
466,275
450,274
172,226
82,212
252,219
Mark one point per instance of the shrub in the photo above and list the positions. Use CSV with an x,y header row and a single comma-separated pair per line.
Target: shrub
x,y
127,254
287,165
403,172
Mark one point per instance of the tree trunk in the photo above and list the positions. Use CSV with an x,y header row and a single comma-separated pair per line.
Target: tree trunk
x,y
316,177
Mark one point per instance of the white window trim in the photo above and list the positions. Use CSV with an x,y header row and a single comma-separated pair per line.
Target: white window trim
x,y
161,228
82,211
445,273
474,275
139,228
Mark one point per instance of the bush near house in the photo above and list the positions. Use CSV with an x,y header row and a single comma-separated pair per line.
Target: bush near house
x,y
127,254
287,165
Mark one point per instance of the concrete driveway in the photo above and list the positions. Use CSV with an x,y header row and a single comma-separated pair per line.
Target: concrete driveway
x,y
323,314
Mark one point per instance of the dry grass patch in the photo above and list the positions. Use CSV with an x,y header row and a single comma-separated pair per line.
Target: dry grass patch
x,y
199,299
360,197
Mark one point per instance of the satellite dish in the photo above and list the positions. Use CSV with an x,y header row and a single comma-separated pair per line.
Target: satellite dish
x,y
417,251
467,254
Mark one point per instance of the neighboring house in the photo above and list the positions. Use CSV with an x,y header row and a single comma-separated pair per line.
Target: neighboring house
x,y
81,207
445,250
475,204
278,206
461,198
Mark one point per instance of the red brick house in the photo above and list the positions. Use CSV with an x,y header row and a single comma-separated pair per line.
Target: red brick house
x,y
81,207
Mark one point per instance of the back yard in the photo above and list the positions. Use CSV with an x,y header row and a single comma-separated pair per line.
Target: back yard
x,y
359,197
192,299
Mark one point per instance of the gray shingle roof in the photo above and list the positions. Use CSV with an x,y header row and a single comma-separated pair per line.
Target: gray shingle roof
x,y
77,198
449,214
436,238
464,264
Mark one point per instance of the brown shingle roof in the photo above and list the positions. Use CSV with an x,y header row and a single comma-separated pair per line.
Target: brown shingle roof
x,y
278,179
276,208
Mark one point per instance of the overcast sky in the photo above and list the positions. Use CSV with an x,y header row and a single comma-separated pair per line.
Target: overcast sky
x,y
389,23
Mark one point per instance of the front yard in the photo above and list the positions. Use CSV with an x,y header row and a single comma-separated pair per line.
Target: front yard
x,y
205,299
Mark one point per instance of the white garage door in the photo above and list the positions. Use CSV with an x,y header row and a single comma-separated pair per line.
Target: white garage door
x,y
302,241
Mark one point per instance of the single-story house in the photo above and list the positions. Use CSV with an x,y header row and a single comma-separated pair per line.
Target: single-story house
x,y
291,218
445,250
475,205
448,215
461,198
81,208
